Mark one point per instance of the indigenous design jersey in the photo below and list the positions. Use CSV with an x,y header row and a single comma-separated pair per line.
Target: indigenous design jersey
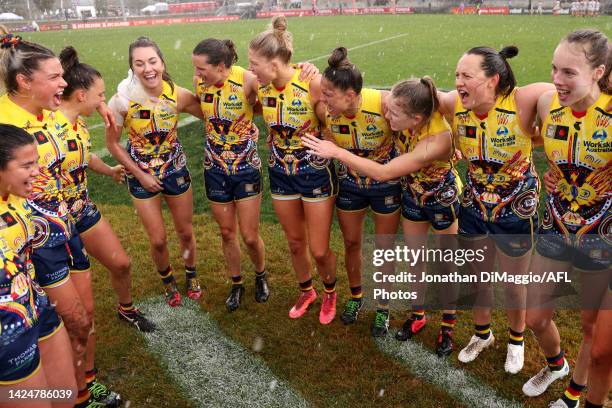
x,y
367,134
153,136
230,145
50,211
74,178
438,182
501,178
21,299
579,151
288,115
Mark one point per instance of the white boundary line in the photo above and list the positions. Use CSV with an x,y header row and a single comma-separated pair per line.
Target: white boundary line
x,y
361,46
427,366
213,370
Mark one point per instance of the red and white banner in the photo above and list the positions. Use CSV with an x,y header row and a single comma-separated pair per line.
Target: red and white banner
x,y
133,23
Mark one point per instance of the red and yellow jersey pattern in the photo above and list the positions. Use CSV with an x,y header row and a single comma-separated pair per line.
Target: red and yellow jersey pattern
x,y
579,152
21,299
153,134
74,178
288,114
230,145
47,199
499,154
367,134
430,179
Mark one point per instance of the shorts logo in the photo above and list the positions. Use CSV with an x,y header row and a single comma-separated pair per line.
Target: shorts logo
x,y
40,137
390,200
248,188
208,98
600,134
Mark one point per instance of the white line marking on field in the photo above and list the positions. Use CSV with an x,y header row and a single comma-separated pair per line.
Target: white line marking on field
x,y
456,382
362,46
103,152
213,370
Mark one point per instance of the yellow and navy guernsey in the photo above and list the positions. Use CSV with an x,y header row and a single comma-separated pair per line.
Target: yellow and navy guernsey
x,y
501,180
288,115
153,134
74,178
21,299
367,134
50,210
437,183
230,146
579,151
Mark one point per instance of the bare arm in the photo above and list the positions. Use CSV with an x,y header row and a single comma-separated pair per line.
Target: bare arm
x,y
434,147
447,104
527,104
97,164
189,103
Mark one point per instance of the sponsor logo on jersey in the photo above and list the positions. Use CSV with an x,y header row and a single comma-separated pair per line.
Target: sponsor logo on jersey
x,y
296,102
144,114
502,131
8,219
208,98
600,134
233,98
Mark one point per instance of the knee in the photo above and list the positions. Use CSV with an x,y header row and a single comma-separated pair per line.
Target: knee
x,y
587,331
536,322
78,325
122,265
185,235
228,235
251,240
601,356
159,244
351,246
297,246
320,255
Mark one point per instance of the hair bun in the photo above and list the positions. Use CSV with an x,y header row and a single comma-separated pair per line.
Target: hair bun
x,y
509,51
339,59
69,58
279,24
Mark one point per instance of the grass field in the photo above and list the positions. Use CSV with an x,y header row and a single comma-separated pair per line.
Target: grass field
x,y
326,366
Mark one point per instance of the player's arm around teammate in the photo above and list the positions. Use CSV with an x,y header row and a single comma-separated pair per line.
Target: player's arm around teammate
x,y
232,173
576,120
35,352
303,186
148,107
492,121
354,118
430,185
